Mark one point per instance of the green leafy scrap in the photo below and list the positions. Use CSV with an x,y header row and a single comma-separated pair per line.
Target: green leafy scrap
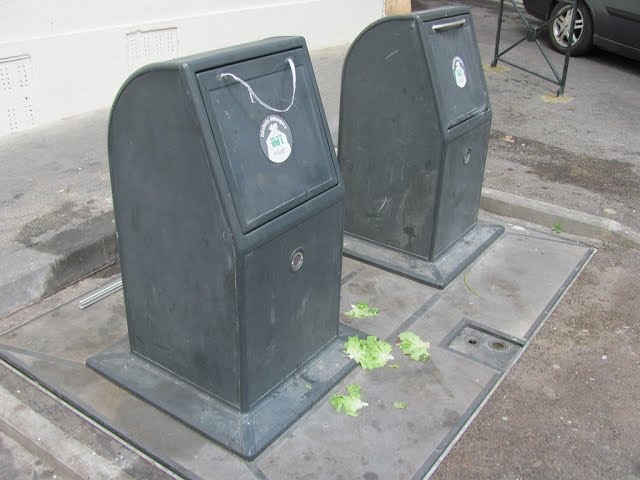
x,y
348,404
413,346
400,405
466,283
557,228
369,353
361,310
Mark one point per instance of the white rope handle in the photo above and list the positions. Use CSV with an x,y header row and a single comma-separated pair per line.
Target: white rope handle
x,y
252,94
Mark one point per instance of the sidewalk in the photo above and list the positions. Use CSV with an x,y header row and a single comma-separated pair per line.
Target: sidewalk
x,y
57,219
567,408
474,336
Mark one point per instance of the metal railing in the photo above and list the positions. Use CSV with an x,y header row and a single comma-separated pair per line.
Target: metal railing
x,y
533,31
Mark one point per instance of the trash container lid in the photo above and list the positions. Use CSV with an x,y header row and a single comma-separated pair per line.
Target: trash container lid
x,y
273,160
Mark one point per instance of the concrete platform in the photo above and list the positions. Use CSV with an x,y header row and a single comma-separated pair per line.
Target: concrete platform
x,y
499,300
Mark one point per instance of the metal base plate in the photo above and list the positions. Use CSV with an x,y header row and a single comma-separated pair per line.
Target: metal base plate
x,y
438,273
516,283
245,434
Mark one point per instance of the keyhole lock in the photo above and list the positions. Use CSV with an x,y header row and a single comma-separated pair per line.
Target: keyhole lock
x,y
297,259
467,156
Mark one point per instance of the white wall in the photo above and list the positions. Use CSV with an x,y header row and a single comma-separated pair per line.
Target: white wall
x,y
64,57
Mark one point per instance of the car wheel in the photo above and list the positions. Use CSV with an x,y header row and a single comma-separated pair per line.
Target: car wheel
x,y
582,32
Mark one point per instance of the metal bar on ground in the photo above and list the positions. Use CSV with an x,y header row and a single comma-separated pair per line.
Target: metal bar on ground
x,y
100,294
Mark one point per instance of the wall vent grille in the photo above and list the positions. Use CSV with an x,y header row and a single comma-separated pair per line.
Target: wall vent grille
x,y
16,95
151,46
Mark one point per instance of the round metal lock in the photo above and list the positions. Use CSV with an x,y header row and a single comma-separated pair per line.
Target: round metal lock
x,y
297,259
467,156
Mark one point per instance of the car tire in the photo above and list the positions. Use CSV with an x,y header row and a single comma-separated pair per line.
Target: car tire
x,y
559,28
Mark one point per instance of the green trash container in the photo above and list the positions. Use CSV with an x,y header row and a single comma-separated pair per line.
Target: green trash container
x,y
413,135
229,211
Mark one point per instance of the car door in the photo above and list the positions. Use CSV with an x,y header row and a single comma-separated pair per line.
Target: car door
x,y
624,21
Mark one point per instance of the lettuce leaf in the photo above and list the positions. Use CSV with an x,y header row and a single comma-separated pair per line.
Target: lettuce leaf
x,y
348,404
361,310
413,346
370,353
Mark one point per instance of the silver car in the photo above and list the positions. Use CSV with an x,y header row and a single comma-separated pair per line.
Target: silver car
x,y
612,25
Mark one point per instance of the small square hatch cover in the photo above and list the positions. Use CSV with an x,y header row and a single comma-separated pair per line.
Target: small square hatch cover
x,y
483,345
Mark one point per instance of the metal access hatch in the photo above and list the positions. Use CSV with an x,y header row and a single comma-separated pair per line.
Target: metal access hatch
x,y
261,190
451,54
